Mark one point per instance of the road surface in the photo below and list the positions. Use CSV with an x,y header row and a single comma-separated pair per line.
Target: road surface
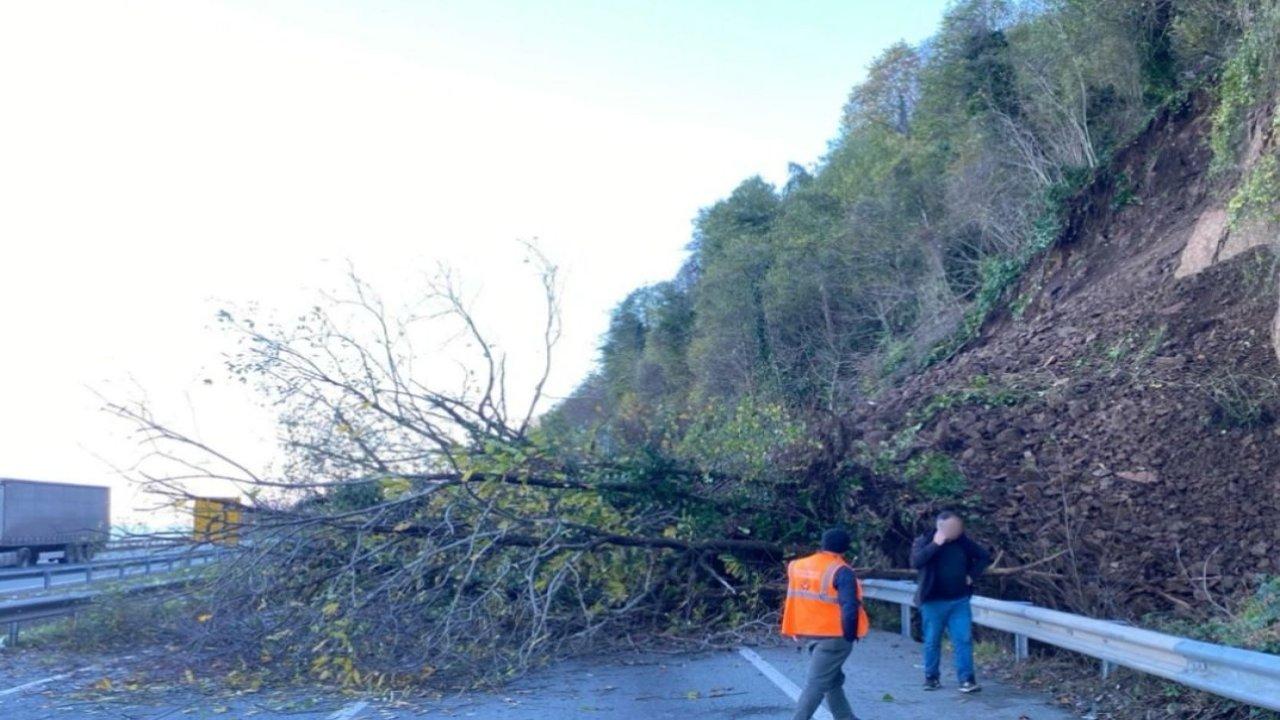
x,y
884,683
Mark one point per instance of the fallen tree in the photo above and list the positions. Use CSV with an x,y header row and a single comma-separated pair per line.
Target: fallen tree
x,y
415,532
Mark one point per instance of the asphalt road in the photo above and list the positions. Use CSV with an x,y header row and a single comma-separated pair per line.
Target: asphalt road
x,y
884,683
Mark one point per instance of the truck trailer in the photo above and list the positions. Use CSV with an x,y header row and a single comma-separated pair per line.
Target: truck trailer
x,y
52,520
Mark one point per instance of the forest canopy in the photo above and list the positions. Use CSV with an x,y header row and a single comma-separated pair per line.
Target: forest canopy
x,y
950,170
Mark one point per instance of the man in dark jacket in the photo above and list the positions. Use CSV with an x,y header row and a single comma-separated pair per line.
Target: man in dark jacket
x,y
948,563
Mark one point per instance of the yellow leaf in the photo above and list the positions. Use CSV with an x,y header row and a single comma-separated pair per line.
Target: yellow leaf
x,y
190,676
402,526
104,684
330,609
204,617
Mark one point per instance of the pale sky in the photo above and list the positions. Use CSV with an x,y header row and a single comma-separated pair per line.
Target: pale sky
x,y
162,160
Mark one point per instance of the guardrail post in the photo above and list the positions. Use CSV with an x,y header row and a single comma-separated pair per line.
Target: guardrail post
x,y
905,609
1021,643
1109,667
48,579
147,567
120,570
13,633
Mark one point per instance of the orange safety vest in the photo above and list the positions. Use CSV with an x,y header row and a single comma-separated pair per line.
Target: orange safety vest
x,y
813,606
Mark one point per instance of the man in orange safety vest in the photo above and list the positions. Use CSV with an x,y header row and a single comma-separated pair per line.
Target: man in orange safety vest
x,y
824,604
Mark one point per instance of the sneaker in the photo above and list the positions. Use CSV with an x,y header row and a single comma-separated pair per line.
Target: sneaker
x,y
969,686
932,684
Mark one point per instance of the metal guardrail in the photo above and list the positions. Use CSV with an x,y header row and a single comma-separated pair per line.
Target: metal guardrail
x,y
15,612
1245,675
144,542
98,569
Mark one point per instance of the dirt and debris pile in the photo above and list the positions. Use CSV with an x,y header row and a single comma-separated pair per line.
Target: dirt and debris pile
x,y
1124,411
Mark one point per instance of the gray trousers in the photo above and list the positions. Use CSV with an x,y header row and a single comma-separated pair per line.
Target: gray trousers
x,y
826,679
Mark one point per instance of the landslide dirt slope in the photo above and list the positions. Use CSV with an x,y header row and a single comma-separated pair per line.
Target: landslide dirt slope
x,y
1128,416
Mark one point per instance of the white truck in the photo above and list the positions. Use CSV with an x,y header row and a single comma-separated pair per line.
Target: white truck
x,y
52,520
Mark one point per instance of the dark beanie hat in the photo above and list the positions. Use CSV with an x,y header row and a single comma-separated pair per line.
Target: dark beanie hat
x,y
835,540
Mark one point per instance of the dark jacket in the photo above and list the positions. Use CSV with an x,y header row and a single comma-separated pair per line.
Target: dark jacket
x,y
847,594
923,560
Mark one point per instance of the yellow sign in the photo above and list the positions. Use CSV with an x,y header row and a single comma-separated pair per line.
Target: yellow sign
x,y
216,520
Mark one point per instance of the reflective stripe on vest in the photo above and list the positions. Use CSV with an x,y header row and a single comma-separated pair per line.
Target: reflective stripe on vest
x,y
813,596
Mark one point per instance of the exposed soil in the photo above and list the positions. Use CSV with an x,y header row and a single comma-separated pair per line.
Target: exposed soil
x,y
1138,428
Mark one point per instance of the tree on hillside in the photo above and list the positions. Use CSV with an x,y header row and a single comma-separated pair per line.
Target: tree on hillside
x,y
730,350
889,94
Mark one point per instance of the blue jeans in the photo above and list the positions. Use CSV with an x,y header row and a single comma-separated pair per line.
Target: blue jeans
x,y
956,618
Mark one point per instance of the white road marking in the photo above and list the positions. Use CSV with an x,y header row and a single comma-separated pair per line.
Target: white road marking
x,y
63,676
782,681
349,711
38,683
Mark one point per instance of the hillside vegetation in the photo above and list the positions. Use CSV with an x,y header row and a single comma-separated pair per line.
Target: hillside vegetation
x,y
1031,279
977,299
958,162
